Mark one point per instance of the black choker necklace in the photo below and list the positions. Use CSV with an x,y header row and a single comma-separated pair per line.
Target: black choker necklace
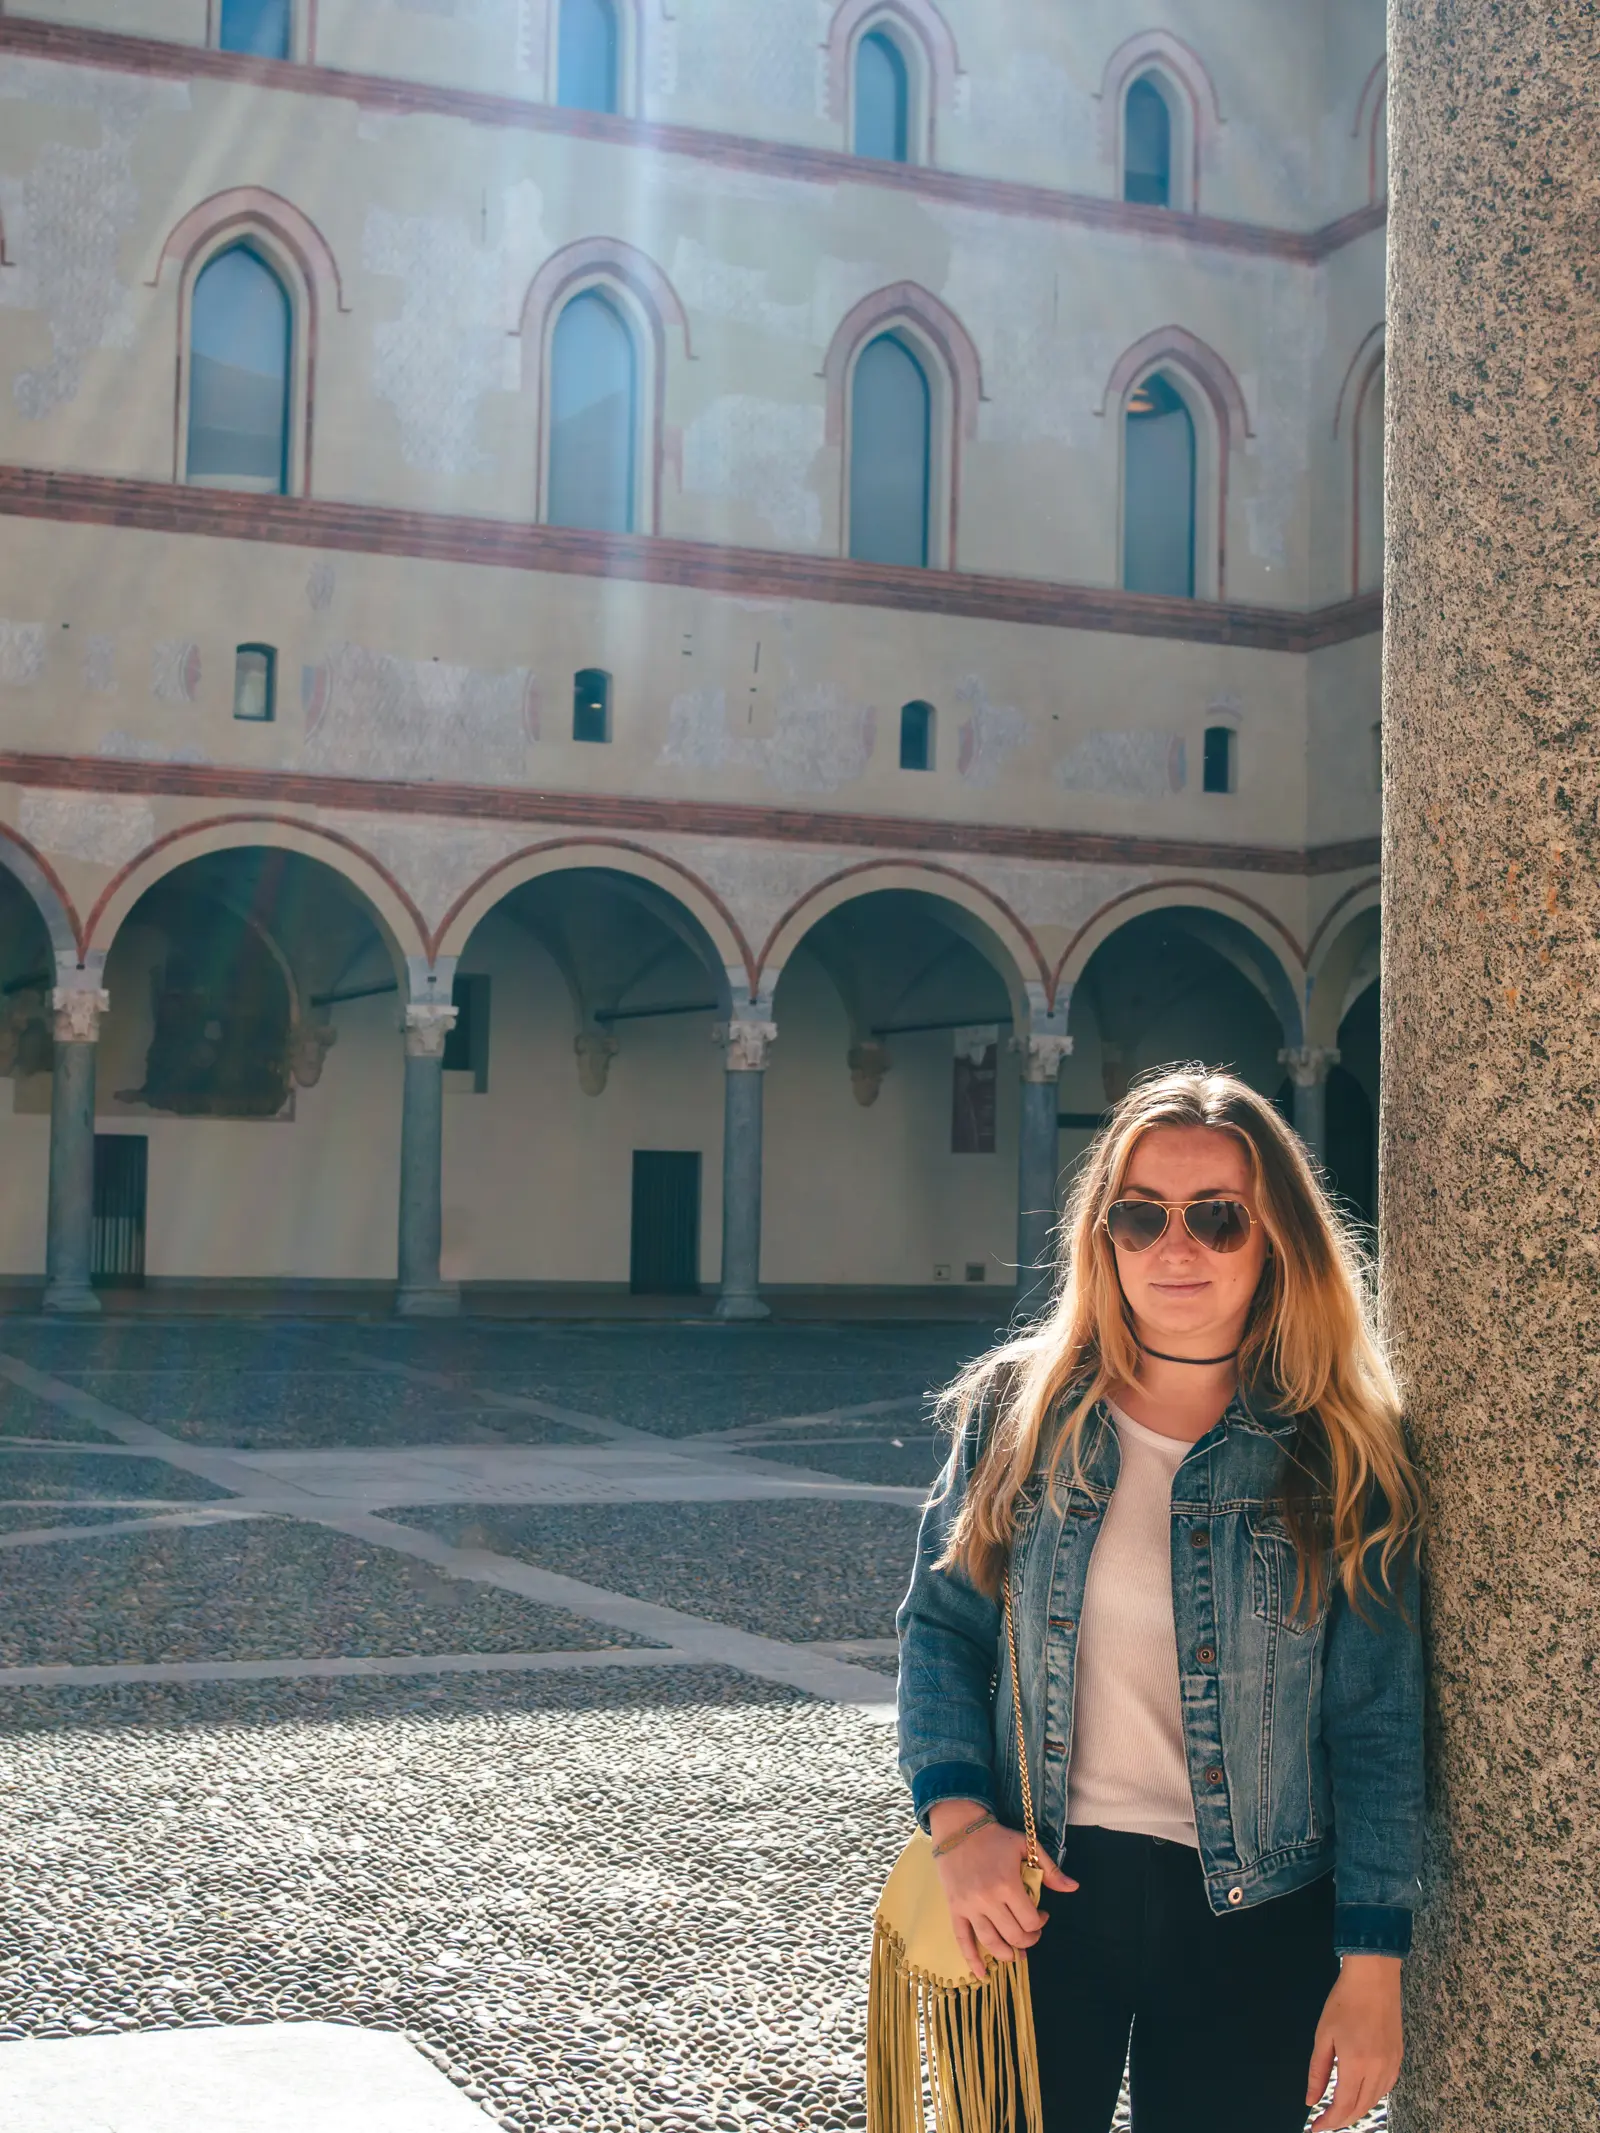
x,y
1197,1362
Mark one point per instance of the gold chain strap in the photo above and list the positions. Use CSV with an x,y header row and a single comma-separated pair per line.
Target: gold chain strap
x,y
1022,1746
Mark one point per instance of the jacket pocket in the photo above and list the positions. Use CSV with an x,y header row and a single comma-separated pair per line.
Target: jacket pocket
x,y
1273,1572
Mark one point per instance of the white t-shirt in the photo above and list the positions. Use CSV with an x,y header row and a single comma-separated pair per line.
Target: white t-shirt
x,y
1128,1768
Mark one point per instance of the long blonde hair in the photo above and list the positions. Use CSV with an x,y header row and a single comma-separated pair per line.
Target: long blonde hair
x,y
1308,1351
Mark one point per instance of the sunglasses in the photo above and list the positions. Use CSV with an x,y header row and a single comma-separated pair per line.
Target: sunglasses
x,y
1216,1225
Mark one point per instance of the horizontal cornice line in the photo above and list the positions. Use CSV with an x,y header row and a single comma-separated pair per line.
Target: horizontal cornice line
x,y
118,52
606,812
651,559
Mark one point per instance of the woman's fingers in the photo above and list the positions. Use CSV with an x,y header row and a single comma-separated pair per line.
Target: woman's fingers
x,y
1053,1876
966,1941
1321,2069
1353,2098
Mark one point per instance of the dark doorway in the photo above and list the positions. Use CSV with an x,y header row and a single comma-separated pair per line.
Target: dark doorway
x,y
1351,1158
666,1222
121,1174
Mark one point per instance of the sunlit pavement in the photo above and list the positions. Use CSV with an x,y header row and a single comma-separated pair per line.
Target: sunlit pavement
x,y
523,1692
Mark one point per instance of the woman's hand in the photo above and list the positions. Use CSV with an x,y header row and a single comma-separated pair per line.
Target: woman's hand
x,y
1361,2025
982,1878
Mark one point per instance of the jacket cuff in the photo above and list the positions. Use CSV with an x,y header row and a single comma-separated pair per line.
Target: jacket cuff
x,y
951,1781
1371,1929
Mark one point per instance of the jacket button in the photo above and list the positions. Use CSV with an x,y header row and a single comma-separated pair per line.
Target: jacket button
x,y
1236,1895
1205,1654
1214,1775
1200,1539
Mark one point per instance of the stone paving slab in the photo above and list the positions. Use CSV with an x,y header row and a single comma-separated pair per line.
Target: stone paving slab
x,y
317,2077
257,1590
23,1415
805,1570
267,1409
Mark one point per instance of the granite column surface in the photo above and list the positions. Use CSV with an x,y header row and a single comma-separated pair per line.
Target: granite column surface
x,y
1490,1155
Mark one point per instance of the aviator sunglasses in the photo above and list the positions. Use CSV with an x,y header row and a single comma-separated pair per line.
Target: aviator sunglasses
x,y
1215,1225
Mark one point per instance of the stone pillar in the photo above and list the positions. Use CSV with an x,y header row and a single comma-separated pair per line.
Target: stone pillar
x,y
745,1046
421,1293
1489,1216
1307,1066
76,1029
1038,1161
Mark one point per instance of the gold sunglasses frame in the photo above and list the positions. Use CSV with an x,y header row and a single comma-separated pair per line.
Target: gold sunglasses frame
x,y
1169,1209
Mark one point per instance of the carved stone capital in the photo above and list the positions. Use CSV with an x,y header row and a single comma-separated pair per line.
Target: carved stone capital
x,y
1307,1065
308,1048
428,1023
1041,1056
868,1063
76,1012
746,1044
595,1049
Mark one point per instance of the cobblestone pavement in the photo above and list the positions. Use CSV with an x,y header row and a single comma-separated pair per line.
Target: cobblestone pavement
x,y
523,1690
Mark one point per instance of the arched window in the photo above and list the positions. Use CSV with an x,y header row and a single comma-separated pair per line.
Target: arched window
x,y
916,736
1158,490
1218,771
240,336
883,99
890,474
594,418
1147,145
1369,484
259,26
586,55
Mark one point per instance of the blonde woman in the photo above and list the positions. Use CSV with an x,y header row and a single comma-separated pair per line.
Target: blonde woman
x,y
1192,1471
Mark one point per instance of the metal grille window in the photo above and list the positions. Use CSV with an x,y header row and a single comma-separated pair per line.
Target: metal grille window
x,y
916,736
117,1219
255,682
591,705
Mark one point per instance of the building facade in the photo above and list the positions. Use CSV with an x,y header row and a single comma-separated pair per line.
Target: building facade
x,y
655,642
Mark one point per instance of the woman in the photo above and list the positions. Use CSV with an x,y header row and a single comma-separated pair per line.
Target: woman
x,y
1192,1470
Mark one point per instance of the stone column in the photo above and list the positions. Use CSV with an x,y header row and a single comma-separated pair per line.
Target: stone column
x,y
1307,1066
77,1011
421,1293
1489,1208
745,1046
1038,1161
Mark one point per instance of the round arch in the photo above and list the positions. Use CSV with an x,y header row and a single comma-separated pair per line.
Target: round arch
x,y
1276,967
564,855
972,910
1347,941
396,917
40,884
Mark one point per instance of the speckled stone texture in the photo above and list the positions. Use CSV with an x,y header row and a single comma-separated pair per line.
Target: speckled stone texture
x,y
1491,1066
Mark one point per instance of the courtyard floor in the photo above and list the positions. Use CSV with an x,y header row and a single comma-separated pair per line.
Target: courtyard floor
x,y
522,1689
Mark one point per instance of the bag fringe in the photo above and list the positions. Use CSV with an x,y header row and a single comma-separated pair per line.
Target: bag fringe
x,y
966,2053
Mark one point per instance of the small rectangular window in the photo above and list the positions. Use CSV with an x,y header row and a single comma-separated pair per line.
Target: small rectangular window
x,y
466,1044
255,682
591,705
1217,775
916,736
260,27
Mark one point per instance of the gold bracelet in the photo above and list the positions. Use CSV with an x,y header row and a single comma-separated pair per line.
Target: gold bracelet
x,y
949,1843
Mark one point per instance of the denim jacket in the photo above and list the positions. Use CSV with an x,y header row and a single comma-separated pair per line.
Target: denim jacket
x,y
1304,1737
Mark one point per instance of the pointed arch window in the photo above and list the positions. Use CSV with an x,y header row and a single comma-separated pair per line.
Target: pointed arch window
x,y
262,27
241,325
891,409
882,99
1147,145
594,418
1158,490
587,55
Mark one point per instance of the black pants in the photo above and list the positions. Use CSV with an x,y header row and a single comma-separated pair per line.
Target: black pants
x,y
1223,2009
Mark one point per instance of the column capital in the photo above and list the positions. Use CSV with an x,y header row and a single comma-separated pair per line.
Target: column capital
x,y
427,1024
1041,1054
1307,1065
746,1045
76,1012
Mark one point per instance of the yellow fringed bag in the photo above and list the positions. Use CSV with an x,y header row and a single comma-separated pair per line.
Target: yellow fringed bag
x,y
936,2038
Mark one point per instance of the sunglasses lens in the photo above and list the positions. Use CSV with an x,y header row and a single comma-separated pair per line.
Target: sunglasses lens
x,y
1135,1224
1219,1225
